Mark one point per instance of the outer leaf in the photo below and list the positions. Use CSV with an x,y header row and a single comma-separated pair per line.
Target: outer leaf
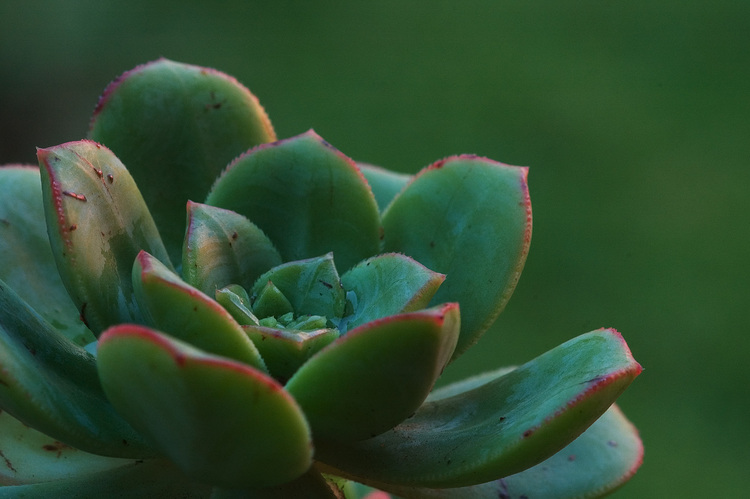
x,y
97,223
183,312
31,456
387,285
220,421
377,375
222,248
312,286
308,197
26,261
468,218
605,456
152,478
499,428
50,384
176,127
385,184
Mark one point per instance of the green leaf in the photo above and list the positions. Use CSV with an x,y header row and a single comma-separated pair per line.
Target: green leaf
x,y
604,457
180,310
307,197
152,478
498,428
51,384
312,286
26,261
386,285
270,301
222,248
385,184
176,127
284,351
97,223
470,219
31,456
377,375
220,421
236,301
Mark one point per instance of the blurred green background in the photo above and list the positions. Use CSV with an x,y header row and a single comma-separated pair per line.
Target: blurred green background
x,y
633,117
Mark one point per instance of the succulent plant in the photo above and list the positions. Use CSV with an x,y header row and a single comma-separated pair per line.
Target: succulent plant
x,y
234,315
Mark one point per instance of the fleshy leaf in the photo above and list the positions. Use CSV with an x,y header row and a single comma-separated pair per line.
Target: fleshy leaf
x,y
499,428
385,184
31,456
97,223
307,197
270,301
220,421
285,350
236,301
26,261
51,384
377,375
312,286
605,456
176,127
183,312
151,478
470,219
386,285
222,248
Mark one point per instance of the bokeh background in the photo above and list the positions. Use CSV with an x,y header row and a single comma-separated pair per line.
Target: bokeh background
x,y
633,116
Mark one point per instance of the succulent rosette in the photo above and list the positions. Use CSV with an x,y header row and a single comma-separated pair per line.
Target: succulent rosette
x,y
233,315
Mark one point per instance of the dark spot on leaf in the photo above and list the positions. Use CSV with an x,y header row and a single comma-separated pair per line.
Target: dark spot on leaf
x,y
572,457
612,443
527,433
99,173
432,244
234,236
4,222
72,227
79,197
7,462
111,178
326,284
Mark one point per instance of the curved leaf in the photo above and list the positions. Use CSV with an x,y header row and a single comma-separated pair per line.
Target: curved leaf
x,y
51,384
306,196
498,428
176,127
220,421
377,375
152,478
385,184
26,261
470,219
284,351
386,285
31,456
311,286
97,223
605,456
222,248
183,312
